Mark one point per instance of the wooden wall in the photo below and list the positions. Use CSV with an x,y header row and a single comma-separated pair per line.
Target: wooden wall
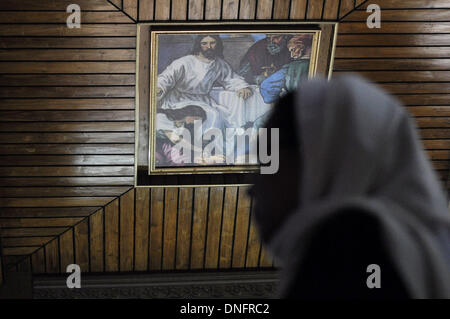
x,y
176,10
67,131
67,117
408,56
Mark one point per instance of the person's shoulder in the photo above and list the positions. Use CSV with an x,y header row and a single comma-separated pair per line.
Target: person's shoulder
x,y
182,60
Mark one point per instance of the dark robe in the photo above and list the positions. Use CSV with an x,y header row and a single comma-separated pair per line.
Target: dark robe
x,y
258,58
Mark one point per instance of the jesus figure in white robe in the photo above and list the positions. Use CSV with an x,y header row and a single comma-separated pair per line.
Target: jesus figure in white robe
x,y
190,79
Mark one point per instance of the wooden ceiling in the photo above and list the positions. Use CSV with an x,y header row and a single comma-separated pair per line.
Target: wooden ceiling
x,y
67,131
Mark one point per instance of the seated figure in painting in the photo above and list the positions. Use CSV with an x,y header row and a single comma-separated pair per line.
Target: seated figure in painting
x,y
289,76
264,58
190,79
171,123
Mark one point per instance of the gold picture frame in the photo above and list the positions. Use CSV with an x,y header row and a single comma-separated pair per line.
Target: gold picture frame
x,y
155,50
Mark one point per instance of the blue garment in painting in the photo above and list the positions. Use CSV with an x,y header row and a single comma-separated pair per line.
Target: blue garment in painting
x,y
272,87
285,79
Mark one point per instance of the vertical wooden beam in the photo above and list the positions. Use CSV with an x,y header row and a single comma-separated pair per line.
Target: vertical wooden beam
x,y
346,7
118,3
146,10
330,10
247,10
126,231
230,9
214,223
156,228
212,10
184,228
81,232
281,9
130,8
66,249
179,10
229,215
298,9
96,241
142,229
162,9
112,236
266,259
52,257
199,227
315,9
254,246
38,261
196,9
170,228
264,9
241,228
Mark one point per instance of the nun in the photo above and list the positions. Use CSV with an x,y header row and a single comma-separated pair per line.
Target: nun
x,y
356,210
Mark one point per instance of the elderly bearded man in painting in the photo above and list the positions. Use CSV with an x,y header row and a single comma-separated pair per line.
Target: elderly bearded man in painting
x,y
190,79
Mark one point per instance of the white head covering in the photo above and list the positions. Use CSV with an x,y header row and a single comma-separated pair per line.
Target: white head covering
x,y
360,149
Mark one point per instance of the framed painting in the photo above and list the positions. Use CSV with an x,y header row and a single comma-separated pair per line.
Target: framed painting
x,y
211,91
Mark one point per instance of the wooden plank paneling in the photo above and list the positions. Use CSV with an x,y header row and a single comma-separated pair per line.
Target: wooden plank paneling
x,y
395,27
404,15
111,220
67,43
130,7
184,228
298,9
391,64
199,227
60,17
38,261
196,9
81,160
241,228
170,228
331,10
66,92
67,67
227,232
126,238
66,104
254,247
213,227
179,10
68,171
146,12
410,4
56,138
230,9
141,235
212,10
96,243
392,52
52,257
54,201
81,233
66,249
46,30
264,9
47,212
162,10
315,8
156,228
346,6
60,5
374,40
247,10
281,9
